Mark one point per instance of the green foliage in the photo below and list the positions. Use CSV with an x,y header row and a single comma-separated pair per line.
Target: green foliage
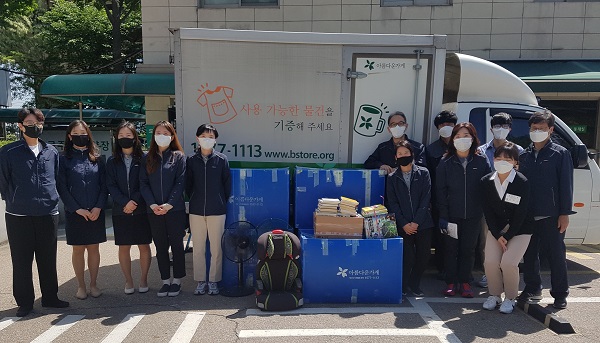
x,y
72,37
14,9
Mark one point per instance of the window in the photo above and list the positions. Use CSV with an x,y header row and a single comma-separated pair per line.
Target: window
x,y
415,2
238,3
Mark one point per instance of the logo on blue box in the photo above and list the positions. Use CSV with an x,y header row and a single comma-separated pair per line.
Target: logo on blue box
x,y
342,272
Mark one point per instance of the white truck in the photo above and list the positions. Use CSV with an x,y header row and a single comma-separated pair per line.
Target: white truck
x,y
322,99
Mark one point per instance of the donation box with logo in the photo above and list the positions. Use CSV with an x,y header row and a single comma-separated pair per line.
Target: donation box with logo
x,y
352,270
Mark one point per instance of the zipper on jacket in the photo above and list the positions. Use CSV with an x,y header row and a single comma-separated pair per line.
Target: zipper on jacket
x,y
465,172
162,193
205,171
15,193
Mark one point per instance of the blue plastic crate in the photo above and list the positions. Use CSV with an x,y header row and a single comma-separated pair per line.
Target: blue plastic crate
x,y
363,185
352,270
257,195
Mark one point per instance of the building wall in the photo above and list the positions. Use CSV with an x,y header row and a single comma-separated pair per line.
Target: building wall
x,y
491,29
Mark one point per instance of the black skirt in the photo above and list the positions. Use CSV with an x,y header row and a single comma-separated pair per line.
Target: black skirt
x,y
132,230
82,232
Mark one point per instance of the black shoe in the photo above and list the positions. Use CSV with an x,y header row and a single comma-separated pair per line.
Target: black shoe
x,y
174,290
164,290
528,297
417,292
560,303
24,310
56,303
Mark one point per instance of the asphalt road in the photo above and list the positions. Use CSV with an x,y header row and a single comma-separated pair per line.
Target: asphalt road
x,y
116,317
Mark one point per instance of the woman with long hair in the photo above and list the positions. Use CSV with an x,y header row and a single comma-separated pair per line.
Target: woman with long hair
x,y
459,202
162,183
82,188
130,221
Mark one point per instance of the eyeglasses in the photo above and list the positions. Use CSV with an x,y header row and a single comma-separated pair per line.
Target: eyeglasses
x,y
32,124
505,126
402,123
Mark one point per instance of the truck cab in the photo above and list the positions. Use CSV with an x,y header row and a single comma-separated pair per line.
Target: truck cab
x,y
469,84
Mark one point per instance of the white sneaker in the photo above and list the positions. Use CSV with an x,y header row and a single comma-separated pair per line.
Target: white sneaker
x,y
507,306
492,302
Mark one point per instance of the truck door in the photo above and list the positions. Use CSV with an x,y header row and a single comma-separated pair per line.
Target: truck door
x,y
379,85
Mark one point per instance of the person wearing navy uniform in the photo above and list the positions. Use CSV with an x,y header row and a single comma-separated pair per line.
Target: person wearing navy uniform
x,y
82,188
28,170
162,183
549,168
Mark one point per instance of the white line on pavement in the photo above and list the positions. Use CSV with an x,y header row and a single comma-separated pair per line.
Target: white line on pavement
x,y
578,256
186,330
443,333
57,329
5,322
121,331
333,310
335,332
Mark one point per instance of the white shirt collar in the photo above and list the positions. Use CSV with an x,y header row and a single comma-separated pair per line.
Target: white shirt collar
x,y
501,188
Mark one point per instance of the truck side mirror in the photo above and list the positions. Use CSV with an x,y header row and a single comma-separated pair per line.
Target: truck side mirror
x,y
579,153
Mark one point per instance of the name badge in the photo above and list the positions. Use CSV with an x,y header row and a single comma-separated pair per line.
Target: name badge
x,y
513,199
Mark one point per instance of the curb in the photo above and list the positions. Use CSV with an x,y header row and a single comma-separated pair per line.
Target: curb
x,y
546,317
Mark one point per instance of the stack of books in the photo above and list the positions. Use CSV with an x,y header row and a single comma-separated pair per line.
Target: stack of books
x,y
374,210
327,207
348,207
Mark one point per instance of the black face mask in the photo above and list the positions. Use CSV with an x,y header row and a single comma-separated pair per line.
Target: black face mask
x,y
33,131
125,142
404,161
80,141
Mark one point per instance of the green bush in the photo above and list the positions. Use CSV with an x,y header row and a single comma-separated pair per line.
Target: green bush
x,y
4,142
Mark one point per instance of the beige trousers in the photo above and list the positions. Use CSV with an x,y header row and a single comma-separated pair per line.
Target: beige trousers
x,y
211,227
502,268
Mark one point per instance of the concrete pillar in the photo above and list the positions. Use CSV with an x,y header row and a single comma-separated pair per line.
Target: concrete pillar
x,y
156,109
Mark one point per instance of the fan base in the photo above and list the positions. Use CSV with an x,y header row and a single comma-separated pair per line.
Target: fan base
x,y
239,291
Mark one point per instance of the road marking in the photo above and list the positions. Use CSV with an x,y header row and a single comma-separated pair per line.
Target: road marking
x,y
121,331
187,329
443,333
58,329
579,255
5,322
334,310
587,249
335,332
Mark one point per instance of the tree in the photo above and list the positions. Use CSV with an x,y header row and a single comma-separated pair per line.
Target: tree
x,y
71,37
11,9
119,12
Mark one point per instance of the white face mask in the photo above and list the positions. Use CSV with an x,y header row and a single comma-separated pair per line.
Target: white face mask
x,y
398,131
538,136
446,131
503,167
463,144
500,133
162,140
207,143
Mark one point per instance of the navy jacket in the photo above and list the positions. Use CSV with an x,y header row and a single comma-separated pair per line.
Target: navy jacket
x,y
550,178
433,155
167,183
123,187
27,182
82,183
410,206
458,189
499,212
208,184
386,154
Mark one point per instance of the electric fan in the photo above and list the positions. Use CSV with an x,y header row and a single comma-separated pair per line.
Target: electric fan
x,y
238,243
271,224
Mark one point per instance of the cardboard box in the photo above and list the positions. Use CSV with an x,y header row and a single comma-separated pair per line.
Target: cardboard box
x,y
338,227
381,226
367,186
352,270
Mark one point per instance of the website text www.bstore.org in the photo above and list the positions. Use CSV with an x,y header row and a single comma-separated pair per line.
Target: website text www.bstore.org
x,y
256,151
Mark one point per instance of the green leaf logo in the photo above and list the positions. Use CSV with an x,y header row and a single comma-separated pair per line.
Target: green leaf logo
x,y
370,65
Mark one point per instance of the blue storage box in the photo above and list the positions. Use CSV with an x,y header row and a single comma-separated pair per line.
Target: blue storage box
x,y
352,270
363,185
257,195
